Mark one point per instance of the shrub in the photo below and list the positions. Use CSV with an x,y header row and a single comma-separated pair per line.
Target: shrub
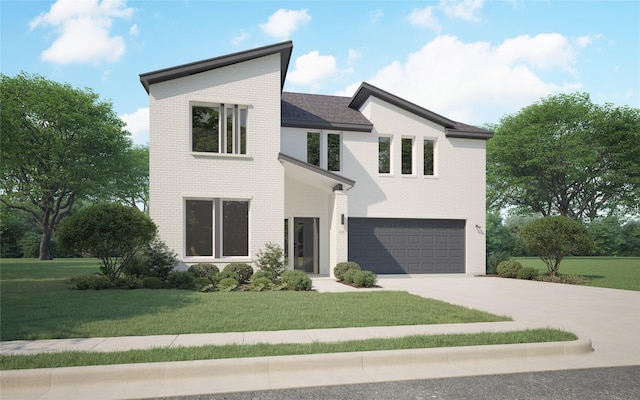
x,y
112,232
271,259
527,273
90,282
350,276
509,269
554,237
495,259
363,279
341,269
296,280
161,260
138,266
128,282
224,275
262,274
181,280
260,284
204,270
573,279
227,285
203,284
242,271
152,282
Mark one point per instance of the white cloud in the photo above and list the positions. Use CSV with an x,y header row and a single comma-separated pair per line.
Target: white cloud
x,y
312,67
83,31
465,9
584,41
138,124
353,57
134,31
283,23
478,82
240,38
424,17
375,15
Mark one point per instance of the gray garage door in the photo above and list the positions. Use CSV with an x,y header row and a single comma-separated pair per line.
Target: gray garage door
x,y
407,246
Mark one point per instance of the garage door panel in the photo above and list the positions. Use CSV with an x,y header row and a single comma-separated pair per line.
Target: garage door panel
x,y
388,246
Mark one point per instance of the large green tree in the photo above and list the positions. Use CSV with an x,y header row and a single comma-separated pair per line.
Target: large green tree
x,y
59,145
565,155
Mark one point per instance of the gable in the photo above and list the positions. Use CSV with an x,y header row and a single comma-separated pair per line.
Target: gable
x,y
162,75
453,129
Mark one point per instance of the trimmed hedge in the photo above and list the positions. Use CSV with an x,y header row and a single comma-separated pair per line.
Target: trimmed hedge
x,y
509,269
242,271
204,270
296,280
342,268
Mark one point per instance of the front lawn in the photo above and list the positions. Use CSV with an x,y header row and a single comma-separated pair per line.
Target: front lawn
x,y
37,304
607,272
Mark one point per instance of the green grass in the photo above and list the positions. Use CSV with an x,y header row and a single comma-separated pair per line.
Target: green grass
x,y
37,304
606,272
70,359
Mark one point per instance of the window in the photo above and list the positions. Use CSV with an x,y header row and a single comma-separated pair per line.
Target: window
x,y
219,129
217,228
407,156
333,152
313,148
428,156
324,150
384,154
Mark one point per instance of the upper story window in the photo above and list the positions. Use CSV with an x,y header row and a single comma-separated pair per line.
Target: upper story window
x,y
407,156
333,152
324,150
384,154
428,157
313,148
219,129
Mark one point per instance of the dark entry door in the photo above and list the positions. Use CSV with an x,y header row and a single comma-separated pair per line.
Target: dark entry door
x,y
305,244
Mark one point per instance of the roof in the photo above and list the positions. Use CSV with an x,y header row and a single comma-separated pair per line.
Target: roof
x,y
300,110
306,172
180,71
453,129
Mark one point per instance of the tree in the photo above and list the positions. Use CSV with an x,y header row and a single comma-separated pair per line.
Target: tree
x,y
59,145
606,236
565,155
132,188
112,232
555,237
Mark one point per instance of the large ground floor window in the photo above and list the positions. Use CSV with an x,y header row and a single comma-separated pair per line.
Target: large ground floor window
x,y
217,228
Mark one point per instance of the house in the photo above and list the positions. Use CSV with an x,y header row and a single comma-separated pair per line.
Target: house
x,y
235,163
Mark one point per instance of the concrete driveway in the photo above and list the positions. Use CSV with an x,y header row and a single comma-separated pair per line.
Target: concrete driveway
x,y
609,317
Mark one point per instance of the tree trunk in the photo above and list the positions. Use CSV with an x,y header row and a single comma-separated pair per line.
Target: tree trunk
x,y
45,250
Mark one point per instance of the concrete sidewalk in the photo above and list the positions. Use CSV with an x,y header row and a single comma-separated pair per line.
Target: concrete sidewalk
x,y
607,319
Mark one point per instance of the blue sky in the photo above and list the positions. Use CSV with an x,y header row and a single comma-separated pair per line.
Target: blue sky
x,y
473,61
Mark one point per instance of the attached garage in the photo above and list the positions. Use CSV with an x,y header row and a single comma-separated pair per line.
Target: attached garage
x,y
407,246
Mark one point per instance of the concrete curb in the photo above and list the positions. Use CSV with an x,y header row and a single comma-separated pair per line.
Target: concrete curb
x,y
245,374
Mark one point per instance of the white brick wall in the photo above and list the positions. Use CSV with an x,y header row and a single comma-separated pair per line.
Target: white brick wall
x,y
176,173
457,191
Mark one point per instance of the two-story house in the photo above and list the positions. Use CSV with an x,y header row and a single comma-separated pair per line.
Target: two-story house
x,y
235,163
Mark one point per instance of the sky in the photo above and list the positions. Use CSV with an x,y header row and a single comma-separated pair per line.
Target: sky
x,y
473,61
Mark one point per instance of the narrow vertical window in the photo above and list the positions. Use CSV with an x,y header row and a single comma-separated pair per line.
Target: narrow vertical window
x,y
286,242
243,131
333,152
384,154
230,121
199,228
205,122
235,228
428,157
313,148
407,156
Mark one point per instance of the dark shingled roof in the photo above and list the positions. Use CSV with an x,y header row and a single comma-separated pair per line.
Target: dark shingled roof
x,y
300,110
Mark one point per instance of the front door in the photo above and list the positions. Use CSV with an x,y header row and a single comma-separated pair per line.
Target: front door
x,y
305,244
